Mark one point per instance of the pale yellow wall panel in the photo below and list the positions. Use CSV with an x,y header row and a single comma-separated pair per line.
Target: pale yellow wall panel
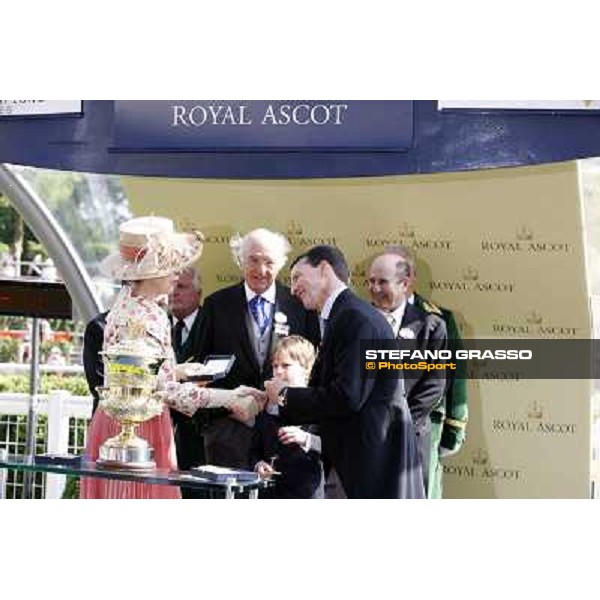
x,y
502,248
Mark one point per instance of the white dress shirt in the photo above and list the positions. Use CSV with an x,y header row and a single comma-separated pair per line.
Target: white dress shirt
x,y
328,304
188,323
268,294
394,318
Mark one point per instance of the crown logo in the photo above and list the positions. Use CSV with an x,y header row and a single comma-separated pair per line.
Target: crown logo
x,y
405,230
480,457
294,228
358,271
470,274
535,411
524,234
534,318
186,224
359,275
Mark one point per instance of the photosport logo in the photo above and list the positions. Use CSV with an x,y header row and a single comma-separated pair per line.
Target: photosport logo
x,y
408,235
480,467
533,324
535,420
300,237
508,360
525,241
470,279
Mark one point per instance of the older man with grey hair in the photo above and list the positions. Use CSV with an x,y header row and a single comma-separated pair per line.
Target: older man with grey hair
x,y
246,320
186,316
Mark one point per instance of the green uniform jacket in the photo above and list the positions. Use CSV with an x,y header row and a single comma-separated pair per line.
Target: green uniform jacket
x,y
453,412
449,418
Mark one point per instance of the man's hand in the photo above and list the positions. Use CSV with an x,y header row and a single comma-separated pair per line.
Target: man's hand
x,y
265,470
272,389
446,452
293,435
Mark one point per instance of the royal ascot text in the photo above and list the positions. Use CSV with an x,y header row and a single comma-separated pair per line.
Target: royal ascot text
x,y
201,115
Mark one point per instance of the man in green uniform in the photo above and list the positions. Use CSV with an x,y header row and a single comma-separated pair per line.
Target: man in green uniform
x,y
449,418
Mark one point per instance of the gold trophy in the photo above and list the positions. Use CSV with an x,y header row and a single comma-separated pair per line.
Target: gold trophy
x,y
130,397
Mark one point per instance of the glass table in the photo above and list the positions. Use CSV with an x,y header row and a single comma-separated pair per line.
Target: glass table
x,y
230,489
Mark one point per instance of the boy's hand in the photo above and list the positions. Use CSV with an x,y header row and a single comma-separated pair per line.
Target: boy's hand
x,y
272,388
292,435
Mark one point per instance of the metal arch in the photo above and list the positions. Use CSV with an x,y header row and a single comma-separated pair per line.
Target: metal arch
x,y
47,229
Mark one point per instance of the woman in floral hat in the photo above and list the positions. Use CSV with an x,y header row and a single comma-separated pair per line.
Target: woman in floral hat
x,y
150,255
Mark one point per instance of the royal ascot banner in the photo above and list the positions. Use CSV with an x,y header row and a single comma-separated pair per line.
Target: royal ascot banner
x,y
296,139
502,249
263,124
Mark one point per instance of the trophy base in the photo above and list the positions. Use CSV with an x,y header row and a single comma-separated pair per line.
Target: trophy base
x,y
134,455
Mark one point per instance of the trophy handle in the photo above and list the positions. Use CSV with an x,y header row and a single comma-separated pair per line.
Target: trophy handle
x,y
156,365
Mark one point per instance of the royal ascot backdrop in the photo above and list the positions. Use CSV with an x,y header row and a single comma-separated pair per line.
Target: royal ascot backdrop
x,y
501,248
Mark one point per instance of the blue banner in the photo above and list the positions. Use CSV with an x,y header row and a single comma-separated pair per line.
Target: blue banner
x,y
263,124
442,140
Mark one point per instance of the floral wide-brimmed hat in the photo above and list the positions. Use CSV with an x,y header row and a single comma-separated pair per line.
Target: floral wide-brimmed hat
x,y
149,247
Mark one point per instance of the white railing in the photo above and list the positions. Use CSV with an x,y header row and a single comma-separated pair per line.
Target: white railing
x,y
60,408
25,368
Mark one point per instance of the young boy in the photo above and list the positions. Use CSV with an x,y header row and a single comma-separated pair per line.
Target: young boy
x,y
292,452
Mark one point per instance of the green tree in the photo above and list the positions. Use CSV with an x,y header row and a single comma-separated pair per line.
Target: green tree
x,y
15,237
88,207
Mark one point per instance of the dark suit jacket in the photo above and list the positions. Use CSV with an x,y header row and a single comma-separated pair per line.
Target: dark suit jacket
x,y
188,349
224,331
188,437
364,423
93,338
301,472
424,390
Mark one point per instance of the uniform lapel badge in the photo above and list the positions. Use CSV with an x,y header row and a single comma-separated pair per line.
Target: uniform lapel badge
x,y
430,307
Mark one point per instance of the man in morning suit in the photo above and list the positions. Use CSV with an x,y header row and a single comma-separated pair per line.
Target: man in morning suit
x,y
388,286
245,319
449,419
186,312
364,422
